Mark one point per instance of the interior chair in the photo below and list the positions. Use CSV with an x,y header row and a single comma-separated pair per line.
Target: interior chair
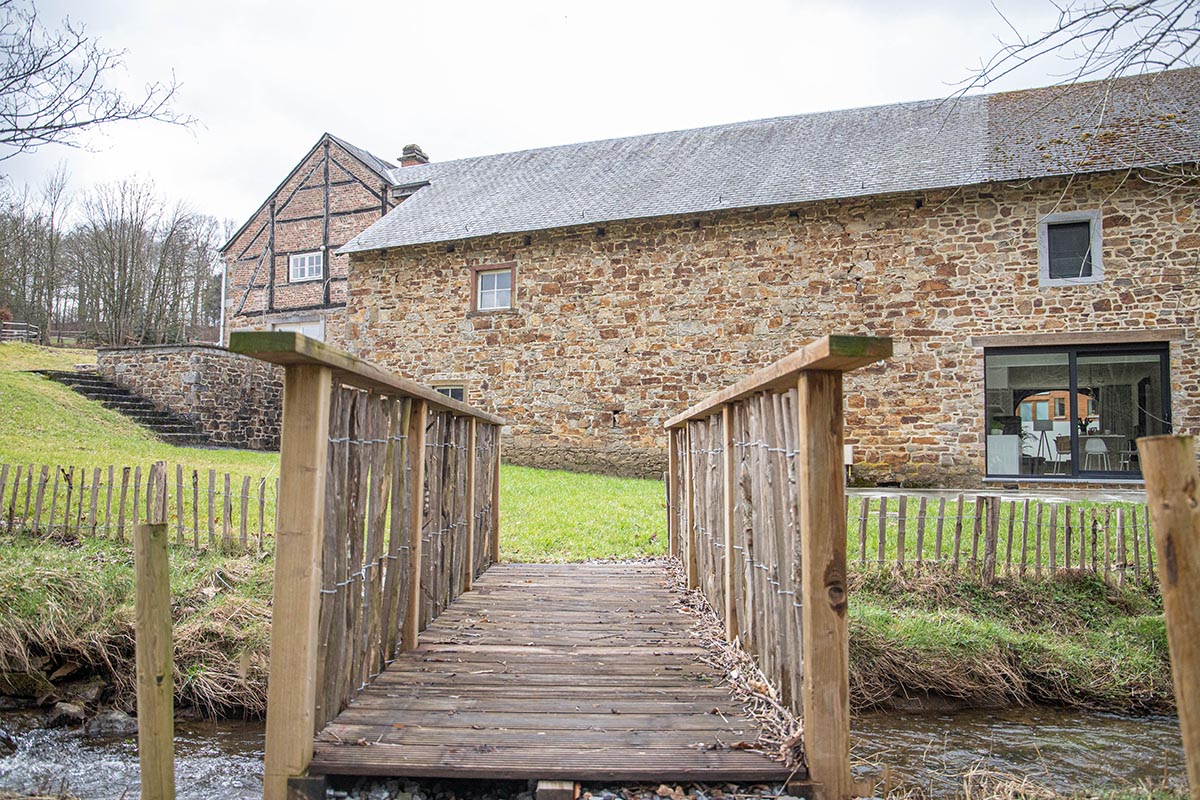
x,y
1062,451
1095,454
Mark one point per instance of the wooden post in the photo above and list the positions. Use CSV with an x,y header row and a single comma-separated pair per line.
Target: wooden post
x,y
495,533
469,581
990,536
672,495
155,685
156,509
731,620
1173,496
300,523
416,520
179,503
689,488
826,681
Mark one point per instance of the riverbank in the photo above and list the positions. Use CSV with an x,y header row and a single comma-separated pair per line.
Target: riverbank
x,y
933,642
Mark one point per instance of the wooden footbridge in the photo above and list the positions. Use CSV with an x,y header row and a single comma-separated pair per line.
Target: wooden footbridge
x,y
401,647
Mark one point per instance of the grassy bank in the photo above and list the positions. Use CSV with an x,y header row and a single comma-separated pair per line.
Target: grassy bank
x,y
68,609
1074,641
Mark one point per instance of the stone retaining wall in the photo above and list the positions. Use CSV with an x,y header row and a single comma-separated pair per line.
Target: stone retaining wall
x,y
237,401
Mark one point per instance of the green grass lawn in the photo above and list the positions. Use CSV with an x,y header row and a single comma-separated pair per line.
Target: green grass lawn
x,y
546,515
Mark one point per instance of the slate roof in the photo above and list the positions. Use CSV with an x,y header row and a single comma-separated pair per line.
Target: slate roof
x,y
1090,127
384,168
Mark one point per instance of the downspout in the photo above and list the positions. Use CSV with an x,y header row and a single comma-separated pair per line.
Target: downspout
x,y
221,324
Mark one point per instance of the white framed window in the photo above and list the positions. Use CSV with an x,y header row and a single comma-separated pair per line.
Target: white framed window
x,y
1070,249
455,391
312,328
493,289
305,267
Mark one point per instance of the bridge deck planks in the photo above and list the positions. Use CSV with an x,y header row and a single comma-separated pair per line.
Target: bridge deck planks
x,y
545,671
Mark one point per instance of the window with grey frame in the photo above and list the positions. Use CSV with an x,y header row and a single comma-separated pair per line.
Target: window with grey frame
x,y
1073,412
1070,249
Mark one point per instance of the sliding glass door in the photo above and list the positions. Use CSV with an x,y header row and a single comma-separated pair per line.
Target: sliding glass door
x,y
1073,412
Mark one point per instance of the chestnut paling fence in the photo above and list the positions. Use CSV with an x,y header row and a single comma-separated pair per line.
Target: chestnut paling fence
x,y
388,510
756,510
204,508
992,536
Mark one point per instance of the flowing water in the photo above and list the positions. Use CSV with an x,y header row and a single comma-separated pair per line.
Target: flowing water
x,y
1067,750
212,759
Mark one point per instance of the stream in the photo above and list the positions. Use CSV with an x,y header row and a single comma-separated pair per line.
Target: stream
x,y
1066,750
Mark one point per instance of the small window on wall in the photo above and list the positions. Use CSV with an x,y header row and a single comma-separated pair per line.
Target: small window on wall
x,y
493,289
304,267
455,391
1069,249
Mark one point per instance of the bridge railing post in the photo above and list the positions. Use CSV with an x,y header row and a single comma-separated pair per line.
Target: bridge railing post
x,y
300,523
825,640
1173,495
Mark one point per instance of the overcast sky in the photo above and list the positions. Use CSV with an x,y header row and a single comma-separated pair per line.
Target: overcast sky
x,y
471,78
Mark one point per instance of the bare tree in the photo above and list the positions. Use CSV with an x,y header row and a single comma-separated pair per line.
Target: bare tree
x,y
53,84
1101,39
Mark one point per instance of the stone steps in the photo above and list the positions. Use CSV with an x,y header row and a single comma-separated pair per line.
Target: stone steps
x,y
167,426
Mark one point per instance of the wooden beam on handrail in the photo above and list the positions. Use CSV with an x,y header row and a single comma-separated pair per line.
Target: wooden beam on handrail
x,y
289,348
833,353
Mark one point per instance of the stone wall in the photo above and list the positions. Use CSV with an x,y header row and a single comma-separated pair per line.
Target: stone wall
x,y
618,327
355,201
236,400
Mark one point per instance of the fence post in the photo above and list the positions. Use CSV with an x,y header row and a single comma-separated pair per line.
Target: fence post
x,y
471,455
990,537
826,681
300,522
416,521
153,654
731,620
1173,497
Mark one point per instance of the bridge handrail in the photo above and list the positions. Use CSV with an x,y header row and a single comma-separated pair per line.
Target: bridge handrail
x,y
289,348
757,514
388,509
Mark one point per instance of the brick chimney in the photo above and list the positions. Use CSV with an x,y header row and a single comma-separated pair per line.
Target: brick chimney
x,y
413,155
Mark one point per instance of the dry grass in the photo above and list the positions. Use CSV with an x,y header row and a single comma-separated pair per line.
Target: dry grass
x,y
782,733
74,604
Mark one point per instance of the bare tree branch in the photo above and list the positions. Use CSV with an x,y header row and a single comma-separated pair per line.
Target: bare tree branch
x,y
1100,39
53,84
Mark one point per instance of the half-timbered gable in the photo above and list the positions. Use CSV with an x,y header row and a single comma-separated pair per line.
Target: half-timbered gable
x,y
282,271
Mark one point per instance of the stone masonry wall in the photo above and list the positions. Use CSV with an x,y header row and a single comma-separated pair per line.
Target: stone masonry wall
x,y
618,327
236,400
299,228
